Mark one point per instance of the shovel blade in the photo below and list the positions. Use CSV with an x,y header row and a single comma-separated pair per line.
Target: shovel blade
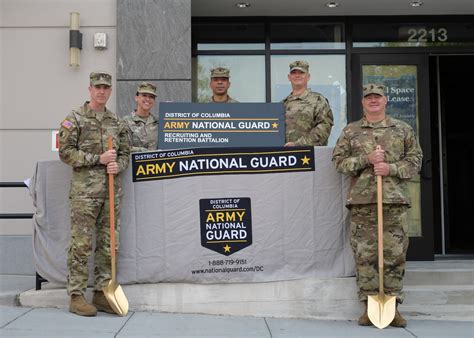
x,y
116,298
381,310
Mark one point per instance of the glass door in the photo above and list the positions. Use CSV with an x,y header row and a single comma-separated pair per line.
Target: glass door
x,y
407,84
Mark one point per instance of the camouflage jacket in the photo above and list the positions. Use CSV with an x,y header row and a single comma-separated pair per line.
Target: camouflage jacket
x,y
82,139
211,100
308,119
402,152
143,134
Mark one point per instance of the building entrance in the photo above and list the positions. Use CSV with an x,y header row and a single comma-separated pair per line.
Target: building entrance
x,y
406,78
454,92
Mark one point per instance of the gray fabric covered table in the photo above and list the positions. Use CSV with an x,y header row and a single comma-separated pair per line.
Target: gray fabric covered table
x,y
300,226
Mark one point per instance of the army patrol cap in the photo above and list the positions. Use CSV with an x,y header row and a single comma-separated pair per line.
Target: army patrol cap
x,y
146,88
299,65
100,78
220,72
373,88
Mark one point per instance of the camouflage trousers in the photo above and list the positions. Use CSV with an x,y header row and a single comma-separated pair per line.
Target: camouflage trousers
x,y
364,246
89,220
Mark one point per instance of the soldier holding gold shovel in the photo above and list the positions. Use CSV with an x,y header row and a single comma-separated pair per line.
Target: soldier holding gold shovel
x,y
94,142
378,147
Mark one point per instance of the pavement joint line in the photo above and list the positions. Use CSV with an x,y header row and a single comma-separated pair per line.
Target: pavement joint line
x,y
130,317
268,328
414,335
11,321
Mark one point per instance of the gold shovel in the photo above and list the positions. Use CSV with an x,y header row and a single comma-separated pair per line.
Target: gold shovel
x,y
380,308
113,292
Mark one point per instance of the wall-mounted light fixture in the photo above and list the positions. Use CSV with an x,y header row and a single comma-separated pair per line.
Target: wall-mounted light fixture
x,y
416,3
242,5
332,4
75,40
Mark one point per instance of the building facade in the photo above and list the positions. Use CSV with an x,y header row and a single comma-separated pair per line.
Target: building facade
x,y
423,54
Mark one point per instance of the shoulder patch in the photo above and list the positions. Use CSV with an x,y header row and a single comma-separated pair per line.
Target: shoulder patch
x,y
67,124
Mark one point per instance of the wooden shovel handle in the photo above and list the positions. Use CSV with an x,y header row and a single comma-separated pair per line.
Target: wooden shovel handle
x,y
112,213
380,229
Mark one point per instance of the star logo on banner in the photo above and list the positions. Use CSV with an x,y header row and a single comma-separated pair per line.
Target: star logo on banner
x,y
274,125
227,248
305,160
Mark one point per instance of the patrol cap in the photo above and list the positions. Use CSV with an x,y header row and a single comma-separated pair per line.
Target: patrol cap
x,y
146,88
100,78
373,88
299,65
220,72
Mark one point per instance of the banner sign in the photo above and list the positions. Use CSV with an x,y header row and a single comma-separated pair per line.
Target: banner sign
x,y
211,229
226,224
158,165
197,125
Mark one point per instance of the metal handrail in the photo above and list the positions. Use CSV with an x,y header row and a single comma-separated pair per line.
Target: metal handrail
x,y
38,278
13,185
14,215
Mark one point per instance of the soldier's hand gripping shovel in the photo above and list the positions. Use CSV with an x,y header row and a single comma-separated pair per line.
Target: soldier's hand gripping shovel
x,y
113,292
380,308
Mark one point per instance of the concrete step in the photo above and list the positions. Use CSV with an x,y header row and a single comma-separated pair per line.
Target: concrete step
x,y
439,277
440,290
316,299
440,273
440,295
307,298
12,285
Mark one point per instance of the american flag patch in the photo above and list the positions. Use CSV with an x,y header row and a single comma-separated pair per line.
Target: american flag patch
x,y
67,124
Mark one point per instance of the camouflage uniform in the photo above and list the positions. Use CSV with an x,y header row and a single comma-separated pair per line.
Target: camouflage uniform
x,y
82,139
143,132
308,117
404,156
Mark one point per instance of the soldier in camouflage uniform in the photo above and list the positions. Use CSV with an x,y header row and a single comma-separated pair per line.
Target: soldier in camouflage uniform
x,y
398,160
308,116
83,145
142,124
220,85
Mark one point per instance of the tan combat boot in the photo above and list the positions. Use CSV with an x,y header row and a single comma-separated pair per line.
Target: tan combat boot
x,y
79,306
364,319
101,302
398,320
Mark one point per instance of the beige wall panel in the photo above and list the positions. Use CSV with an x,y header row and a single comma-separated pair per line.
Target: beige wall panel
x,y
16,227
20,150
1,72
54,13
38,86
15,200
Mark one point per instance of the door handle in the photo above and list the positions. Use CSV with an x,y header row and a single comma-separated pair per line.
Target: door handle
x,y
426,172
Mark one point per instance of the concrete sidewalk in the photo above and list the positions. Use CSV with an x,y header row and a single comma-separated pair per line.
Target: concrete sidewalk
x,y
17,321
27,322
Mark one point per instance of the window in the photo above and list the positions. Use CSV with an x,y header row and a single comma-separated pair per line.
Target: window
x,y
229,36
306,36
247,76
433,34
258,54
328,77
